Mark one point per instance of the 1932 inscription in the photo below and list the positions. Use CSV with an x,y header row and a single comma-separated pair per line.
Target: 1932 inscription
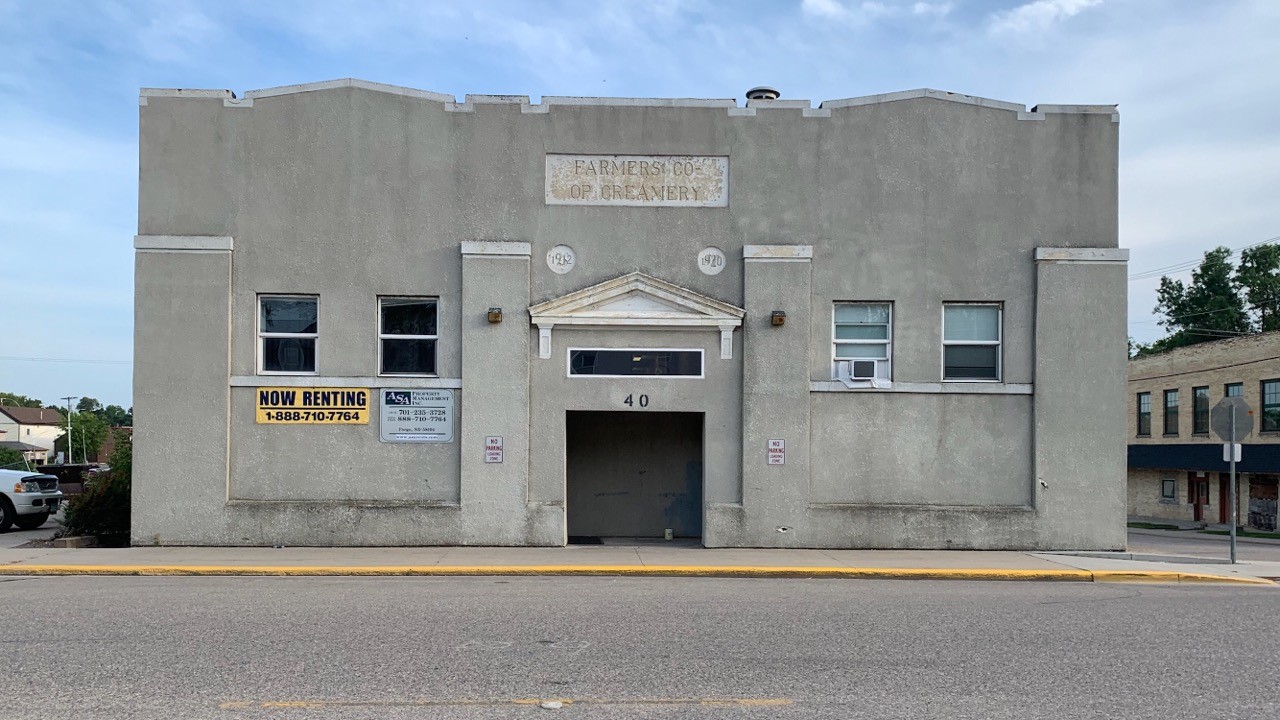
x,y
645,180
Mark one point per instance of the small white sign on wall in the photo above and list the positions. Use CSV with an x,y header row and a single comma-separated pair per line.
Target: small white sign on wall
x,y
416,416
493,449
776,452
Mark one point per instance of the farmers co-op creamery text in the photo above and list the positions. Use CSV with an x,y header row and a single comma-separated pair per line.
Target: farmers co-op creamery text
x,y
658,180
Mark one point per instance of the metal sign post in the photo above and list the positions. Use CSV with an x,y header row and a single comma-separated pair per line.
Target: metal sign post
x,y
1232,421
1231,490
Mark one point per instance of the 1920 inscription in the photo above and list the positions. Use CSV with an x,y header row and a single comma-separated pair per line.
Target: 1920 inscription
x,y
645,180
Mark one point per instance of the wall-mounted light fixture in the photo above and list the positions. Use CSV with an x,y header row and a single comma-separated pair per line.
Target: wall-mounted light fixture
x,y
778,317
495,315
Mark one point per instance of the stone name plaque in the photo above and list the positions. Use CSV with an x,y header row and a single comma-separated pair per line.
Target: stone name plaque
x,y
638,180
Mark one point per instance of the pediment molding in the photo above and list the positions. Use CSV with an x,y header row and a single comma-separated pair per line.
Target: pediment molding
x,y
636,300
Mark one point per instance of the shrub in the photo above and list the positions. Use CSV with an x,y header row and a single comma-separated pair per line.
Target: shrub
x,y
102,510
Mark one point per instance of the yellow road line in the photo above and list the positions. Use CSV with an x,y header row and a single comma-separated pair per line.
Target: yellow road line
x,y
496,702
1059,575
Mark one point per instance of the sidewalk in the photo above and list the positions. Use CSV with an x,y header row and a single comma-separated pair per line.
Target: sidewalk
x,y
639,559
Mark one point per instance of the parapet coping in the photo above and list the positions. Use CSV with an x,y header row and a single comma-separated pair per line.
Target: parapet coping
x,y
806,107
504,248
778,253
182,243
1110,256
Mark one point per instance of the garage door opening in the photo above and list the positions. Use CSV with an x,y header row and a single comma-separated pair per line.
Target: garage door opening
x,y
633,475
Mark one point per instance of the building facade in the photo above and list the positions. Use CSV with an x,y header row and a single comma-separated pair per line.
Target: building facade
x,y
370,315
31,431
1176,470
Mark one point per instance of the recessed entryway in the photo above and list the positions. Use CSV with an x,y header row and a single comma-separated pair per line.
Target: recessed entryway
x,y
633,474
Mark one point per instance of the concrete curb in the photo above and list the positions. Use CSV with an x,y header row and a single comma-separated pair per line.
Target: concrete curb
x,y
1118,576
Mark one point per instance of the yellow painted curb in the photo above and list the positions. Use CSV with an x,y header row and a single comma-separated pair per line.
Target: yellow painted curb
x,y
1152,576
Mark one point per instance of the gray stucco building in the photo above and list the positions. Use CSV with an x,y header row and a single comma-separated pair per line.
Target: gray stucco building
x,y
371,315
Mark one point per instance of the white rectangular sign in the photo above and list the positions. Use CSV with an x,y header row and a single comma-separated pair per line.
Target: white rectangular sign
x,y
493,449
1229,449
416,416
643,180
776,452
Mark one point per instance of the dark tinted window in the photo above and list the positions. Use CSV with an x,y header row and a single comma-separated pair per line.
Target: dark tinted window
x,y
680,363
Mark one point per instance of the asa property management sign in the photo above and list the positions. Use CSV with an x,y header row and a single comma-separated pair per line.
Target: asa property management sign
x,y
644,180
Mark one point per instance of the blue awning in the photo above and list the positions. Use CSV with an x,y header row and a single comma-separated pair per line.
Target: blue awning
x,y
1203,456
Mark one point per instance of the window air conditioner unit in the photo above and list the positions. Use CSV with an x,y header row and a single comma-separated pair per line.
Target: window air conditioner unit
x,y
862,370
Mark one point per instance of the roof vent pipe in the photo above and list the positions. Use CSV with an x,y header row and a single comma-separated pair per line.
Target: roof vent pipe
x,y
762,93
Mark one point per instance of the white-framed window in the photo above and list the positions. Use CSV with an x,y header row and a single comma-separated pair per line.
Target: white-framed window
x,y
408,332
288,328
971,342
674,363
862,333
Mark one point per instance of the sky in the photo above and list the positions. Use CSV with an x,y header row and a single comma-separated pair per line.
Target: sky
x,y
1197,83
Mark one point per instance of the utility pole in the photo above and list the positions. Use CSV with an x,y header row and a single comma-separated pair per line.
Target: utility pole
x,y
70,454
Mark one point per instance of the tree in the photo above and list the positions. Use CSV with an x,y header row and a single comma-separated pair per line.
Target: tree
x,y
15,400
1259,276
88,432
116,416
88,404
11,459
1210,308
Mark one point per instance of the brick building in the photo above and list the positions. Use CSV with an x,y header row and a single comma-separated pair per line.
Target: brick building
x,y
1176,471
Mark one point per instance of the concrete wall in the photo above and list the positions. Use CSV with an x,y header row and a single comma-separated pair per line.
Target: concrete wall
x,y
351,191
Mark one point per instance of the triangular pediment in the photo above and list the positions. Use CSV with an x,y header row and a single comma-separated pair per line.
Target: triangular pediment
x,y
637,299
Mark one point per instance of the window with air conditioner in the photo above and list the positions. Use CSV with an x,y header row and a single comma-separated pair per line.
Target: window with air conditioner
x,y
862,341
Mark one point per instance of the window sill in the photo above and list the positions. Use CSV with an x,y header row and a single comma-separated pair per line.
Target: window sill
x,y
1169,435
943,388
393,376
268,373
345,381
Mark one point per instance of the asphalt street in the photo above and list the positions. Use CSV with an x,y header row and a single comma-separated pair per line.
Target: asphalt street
x,y
1197,544
244,647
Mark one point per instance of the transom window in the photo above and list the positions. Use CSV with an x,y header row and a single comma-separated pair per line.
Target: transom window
x,y
631,362
971,336
288,327
407,335
862,334
1233,390
1200,410
1144,413
1270,405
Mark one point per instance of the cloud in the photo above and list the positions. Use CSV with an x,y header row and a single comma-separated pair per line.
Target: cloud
x,y
934,9
869,10
1036,16
172,34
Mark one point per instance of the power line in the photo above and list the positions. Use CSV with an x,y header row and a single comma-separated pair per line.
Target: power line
x,y
1203,312
1187,372
65,360
1188,264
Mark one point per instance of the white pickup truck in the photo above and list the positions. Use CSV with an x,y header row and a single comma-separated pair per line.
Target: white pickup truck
x,y
27,499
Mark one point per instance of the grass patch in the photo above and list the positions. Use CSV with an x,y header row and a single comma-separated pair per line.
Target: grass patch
x,y
1245,533
1152,526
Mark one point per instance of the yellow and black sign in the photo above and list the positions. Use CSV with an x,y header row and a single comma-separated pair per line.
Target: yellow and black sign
x,y
313,406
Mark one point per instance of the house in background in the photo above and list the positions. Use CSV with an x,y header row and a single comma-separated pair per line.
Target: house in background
x,y
1176,471
34,427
